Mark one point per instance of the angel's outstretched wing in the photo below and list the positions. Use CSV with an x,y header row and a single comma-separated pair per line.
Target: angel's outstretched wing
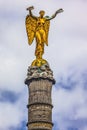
x,y
46,27
30,28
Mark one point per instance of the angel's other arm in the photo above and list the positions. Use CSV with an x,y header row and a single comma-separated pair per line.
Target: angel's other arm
x,y
30,12
55,14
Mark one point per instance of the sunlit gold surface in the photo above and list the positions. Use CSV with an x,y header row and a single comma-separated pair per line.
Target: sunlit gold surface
x,y
38,28
39,62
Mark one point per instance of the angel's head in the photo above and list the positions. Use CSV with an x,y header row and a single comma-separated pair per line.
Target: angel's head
x,y
42,12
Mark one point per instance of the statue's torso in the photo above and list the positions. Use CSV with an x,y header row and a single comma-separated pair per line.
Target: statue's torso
x,y
40,23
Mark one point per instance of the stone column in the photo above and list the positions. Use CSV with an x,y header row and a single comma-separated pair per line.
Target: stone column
x,y
39,81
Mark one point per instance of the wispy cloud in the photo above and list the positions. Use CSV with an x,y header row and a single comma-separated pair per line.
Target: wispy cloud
x,y
8,96
70,102
66,54
13,111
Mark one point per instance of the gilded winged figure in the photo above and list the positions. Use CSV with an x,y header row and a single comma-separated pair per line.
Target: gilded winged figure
x,y
38,28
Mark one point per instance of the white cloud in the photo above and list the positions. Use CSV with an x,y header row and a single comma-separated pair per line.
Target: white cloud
x,y
70,104
12,114
66,53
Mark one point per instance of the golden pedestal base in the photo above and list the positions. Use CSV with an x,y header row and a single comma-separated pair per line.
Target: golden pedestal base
x,y
39,62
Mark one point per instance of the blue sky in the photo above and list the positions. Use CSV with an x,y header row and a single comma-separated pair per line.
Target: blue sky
x,y
66,54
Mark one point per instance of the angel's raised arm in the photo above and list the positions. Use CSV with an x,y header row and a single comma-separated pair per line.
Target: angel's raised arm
x,y
30,12
55,14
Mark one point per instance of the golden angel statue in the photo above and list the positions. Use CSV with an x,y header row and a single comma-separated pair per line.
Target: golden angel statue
x,y
38,28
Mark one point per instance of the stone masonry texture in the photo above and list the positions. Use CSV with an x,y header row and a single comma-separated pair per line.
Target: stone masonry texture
x,y
39,81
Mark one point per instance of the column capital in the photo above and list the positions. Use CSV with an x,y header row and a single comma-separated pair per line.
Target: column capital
x,y
37,73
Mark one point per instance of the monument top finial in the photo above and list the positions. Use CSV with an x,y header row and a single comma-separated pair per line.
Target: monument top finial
x,y
38,27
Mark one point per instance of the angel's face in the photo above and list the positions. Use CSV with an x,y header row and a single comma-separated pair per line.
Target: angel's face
x,y
41,13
